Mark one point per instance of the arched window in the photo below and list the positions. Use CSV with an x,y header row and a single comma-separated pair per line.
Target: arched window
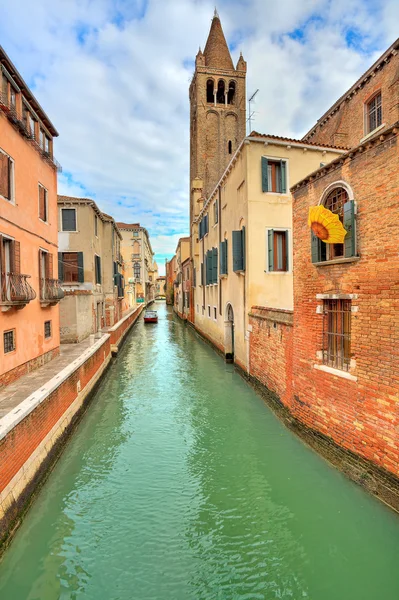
x,y
220,93
230,146
231,92
374,113
209,91
136,268
335,201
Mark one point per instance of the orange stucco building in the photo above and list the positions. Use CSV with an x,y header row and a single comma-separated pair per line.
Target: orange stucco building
x,y
29,288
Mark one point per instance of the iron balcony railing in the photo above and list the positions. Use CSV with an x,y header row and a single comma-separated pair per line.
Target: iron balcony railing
x,y
15,289
51,290
12,114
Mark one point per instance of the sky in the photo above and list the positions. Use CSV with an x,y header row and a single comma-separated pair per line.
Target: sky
x,y
113,76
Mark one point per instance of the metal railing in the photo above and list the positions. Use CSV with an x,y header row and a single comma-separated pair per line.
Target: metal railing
x,y
15,289
51,290
16,119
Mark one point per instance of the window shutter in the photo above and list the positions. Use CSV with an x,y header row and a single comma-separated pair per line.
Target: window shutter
x,y
237,251
270,250
215,265
206,223
5,168
283,177
222,258
60,267
287,251
200,230
349,225
49,265
209,267
265,165
202,274
81,274
226,259
195,277
15,257
315,247
243,249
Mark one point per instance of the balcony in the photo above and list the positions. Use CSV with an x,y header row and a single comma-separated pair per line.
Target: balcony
x,y
51,292
15,291
15,118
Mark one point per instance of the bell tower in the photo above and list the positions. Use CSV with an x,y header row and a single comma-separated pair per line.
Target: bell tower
x,y
217,111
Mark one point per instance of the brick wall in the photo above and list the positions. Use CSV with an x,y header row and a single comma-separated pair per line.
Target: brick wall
x,y
360,414
119,331
27,367
270,350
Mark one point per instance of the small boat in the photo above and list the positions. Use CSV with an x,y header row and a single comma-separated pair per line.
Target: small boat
x,y
150,316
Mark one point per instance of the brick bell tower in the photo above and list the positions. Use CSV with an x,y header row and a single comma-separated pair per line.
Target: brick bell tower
x,y
217,111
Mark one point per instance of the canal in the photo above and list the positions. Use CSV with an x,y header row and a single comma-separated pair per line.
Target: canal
x,y
180,484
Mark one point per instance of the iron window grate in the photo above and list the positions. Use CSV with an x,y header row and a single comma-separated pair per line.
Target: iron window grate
x,y
47,329
337,334
9,341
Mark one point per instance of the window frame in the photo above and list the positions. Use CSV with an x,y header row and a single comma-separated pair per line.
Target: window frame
x,y
97,269
343,306
288,258
46,203
14,337
48,337
277,159
367,104
70,281
76,219
10,200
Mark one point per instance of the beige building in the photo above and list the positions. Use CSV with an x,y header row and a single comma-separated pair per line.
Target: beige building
x,y
89,263
180,295
242,241
138,262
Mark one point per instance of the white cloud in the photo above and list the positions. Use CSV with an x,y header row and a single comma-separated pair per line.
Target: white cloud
x,y
113,77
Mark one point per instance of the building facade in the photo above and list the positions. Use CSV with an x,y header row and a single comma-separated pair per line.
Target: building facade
x,y
29,287
90,269
181,294
138,259
170,270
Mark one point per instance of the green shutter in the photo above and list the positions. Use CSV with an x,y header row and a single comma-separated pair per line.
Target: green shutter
x,y
223,257
315,247
270,250
243,248
226,258
206,224
237,251
199,230
214,265
287,249
99,269
265,177
81,273
283,177
60,267
349,225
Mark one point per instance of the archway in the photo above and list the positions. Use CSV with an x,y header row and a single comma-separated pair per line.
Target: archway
x,y
229,334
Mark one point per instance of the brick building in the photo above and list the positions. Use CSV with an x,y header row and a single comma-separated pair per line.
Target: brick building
x,y
170,270
29,288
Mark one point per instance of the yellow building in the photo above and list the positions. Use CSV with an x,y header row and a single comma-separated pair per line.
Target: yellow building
x,y
242,238
182,254
138,259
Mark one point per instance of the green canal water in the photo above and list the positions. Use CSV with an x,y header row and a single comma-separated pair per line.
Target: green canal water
x,y
180,484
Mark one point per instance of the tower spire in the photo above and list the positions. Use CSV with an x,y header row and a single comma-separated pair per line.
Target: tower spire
x,y
216,51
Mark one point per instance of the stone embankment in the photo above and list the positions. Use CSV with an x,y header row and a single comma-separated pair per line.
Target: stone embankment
x,y
35,425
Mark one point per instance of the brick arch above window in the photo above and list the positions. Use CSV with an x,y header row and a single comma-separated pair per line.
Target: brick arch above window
x,y
336,184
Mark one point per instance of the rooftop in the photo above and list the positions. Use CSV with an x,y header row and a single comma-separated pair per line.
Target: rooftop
x,y
302,143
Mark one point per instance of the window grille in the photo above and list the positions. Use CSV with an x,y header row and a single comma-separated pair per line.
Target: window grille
x,y
337,333
9,341
374,113
335,203
47,329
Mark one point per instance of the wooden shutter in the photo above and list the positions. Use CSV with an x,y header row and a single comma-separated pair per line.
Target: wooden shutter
x,y
202,274
283,177
199,230
226,259
15,257
42,203
81,274
243,248
214,265
265,168
60,267
206,223
237,251
5,176
287,251
222,258
98,269
270,250
349,225
315,243
49,265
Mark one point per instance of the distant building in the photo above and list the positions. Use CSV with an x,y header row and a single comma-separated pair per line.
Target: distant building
x,y
181,296
90,269
170,270
29,288
138,260
161,285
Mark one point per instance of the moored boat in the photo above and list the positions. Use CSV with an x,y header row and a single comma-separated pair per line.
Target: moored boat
x,y
150,316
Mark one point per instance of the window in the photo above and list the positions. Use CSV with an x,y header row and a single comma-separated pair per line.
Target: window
x,y
6,176
210,98
70,267
97,264
220,96
374,113
211,262
10,268
32,126
135,233
223,258
9,341
215,212
230,147
203,227
231,92
215,313
47,145
337,201
68,219
43,203
238,239
277,250
47,329
209,311
274,177
13,98
96,225
136,269
337,333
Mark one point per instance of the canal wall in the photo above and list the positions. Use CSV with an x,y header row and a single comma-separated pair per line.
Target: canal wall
x,y
33,434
